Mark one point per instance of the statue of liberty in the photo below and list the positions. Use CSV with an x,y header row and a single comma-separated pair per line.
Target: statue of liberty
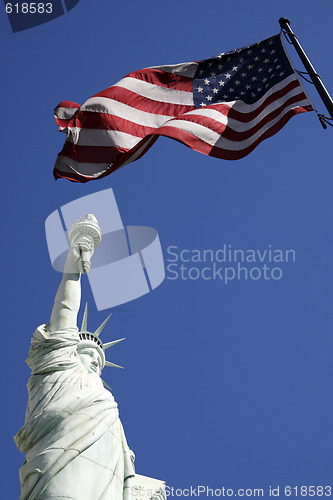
x,y
73,439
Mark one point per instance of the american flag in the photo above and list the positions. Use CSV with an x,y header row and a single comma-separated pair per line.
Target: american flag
x,y
222,107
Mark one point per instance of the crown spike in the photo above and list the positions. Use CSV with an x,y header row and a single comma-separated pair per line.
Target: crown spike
x,y
110,344
100,328
85,319
108,363
106,385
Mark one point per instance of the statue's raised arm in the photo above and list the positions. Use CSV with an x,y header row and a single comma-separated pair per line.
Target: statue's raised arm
x,y
84,237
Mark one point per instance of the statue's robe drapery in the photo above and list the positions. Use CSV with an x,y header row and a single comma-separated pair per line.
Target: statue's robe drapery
x,y
73,439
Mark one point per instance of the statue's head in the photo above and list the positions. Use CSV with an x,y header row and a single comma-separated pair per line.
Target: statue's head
x,y
91,349
91,353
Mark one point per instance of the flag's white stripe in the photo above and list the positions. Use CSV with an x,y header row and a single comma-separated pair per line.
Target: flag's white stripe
x,y
119,109
156,93
214,139
64,113
110,138
241,126
183,69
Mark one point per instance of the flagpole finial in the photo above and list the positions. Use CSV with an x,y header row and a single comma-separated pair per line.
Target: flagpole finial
x,y
283,21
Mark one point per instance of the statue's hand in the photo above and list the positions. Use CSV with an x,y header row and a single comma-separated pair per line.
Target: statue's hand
x,y
79,255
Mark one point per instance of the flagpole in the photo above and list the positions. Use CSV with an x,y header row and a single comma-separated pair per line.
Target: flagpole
x,y
325,96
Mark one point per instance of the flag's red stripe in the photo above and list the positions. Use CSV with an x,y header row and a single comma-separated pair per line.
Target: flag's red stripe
x,y
143,103
164,79
61,122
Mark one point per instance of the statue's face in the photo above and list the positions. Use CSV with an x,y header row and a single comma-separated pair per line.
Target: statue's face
x,y
90,359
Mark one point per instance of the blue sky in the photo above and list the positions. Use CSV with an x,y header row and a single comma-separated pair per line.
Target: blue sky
x,y
225,384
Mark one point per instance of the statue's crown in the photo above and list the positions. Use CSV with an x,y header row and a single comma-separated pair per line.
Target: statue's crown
x,y
88,337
